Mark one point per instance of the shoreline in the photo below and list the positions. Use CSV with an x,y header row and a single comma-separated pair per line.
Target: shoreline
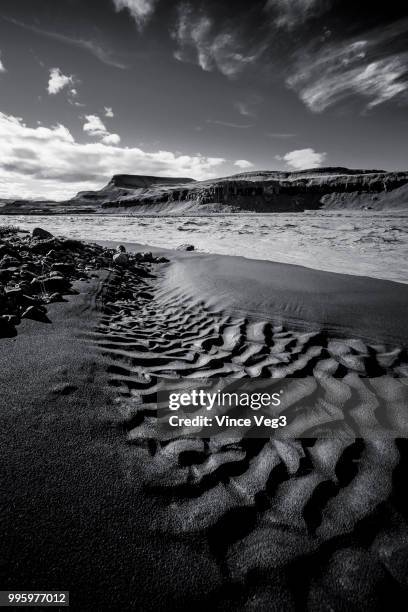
x,y
94,496
344,244
291,294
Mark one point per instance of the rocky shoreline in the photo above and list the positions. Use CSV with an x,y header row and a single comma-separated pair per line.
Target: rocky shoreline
x,y
38,269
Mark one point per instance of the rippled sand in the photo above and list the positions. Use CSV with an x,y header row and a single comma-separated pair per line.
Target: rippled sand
x,y
363,243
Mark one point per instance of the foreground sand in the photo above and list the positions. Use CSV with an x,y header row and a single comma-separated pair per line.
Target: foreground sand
x,y
98,506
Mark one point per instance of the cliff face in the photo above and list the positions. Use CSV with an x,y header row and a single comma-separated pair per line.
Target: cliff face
x,y
323,188
327,188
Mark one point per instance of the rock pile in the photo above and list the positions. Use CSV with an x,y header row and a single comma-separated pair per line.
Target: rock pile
x,y
38,269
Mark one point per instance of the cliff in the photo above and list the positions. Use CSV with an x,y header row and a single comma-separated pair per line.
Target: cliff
x,y
263,192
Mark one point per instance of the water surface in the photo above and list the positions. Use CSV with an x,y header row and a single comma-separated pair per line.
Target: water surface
x,y
364,242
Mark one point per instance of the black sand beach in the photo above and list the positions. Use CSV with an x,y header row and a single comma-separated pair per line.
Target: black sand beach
x,y
95,505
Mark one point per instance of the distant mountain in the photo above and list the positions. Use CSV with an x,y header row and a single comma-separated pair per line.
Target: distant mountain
x,y
259,191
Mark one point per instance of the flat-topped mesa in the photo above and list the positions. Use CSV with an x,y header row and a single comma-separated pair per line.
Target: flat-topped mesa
x,y
263,191
257,191
131,181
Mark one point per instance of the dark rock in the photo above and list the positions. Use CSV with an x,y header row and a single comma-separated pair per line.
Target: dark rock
x,y
7,329
9,262
185,247
70,244
12,319
28,300
41,234
5,276
51,284
142,272
148,257
44,246
29,266
34,312
14,294
6,249
65,268
55,297
120,259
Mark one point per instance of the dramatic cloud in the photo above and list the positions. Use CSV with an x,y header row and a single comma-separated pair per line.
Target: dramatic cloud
x,y
95,127
198,42
290,14
141,10
243,163
58,81
373,67
109,112
303,159
48,162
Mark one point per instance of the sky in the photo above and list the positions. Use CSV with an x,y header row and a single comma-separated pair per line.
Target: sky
x,y
200,89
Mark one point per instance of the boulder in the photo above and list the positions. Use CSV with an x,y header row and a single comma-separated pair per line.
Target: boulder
x,y
120,259
185,247
41,234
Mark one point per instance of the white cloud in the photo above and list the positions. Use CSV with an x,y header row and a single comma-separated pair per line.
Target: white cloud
x,y
303,159
48,162
243,163
199,43
108,111
111,139
58,81
95,127
2,68
371,68
290,14
141,10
